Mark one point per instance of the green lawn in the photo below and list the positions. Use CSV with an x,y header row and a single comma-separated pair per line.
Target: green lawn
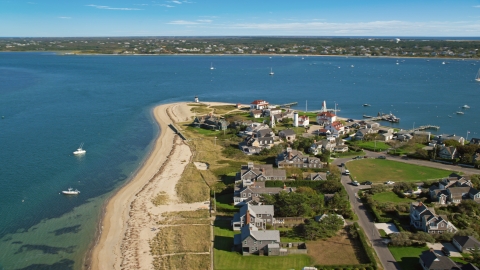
x,y
372,145
226,259
407,257
225,201
389,197
381,170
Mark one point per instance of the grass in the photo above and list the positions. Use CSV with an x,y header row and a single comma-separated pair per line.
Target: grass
x,y
226,259
382,233
191,187
371,145
390,197
337,250
181,239
223,109
381,170
407,257
183,261
225,201
160,199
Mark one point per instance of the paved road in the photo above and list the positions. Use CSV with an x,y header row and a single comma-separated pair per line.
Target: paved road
x,y
366,220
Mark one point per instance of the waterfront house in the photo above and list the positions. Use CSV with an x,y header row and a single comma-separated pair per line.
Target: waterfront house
x,y
325,118
211,122
259,173
444,137
288,135
254,241
272,111
256,215
385,137
293,158
430,260
425,219
336,128
259,104
303,121
259,140
465,243
253,193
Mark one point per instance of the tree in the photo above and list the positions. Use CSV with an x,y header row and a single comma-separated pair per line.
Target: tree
x,y
475,252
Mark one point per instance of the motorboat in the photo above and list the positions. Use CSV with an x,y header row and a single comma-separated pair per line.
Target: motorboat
x,y
80,150
459,112
466,107
70,191
366,105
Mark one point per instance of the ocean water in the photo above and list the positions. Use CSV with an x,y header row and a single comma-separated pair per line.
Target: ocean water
x,y
49,104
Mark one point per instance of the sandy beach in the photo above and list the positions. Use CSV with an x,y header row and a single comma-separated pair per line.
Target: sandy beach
x,y
130,217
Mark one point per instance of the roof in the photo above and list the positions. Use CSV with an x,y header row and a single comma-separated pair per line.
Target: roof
x,y
326,114
469,267
434,261
467,241
267,235
288,132
259,101
256,209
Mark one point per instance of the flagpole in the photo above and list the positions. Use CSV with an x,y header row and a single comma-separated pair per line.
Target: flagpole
x,y
466,139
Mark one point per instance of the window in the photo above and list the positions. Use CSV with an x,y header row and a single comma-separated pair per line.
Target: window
x,y
244,195
255,242
245,242
249,194
259,215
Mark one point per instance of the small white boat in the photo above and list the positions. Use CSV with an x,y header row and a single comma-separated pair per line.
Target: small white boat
x,y
459,112
271,71
477,78
443,63
70,191
366,105
352,66
80,150
466,107
211,66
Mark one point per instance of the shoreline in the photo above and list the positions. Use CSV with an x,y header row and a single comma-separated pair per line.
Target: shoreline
x,y
112,226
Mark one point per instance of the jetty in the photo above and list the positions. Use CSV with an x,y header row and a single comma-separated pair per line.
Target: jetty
x,y
383,117
287,105
425,127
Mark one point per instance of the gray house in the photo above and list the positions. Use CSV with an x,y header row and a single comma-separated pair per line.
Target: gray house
x,y
429,260
425,219
294,158
288,134
210,122
254,241
465,243
258,215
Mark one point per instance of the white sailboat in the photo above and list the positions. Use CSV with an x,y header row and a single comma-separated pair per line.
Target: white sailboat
x,y
477,78
80,150
211,66
271,71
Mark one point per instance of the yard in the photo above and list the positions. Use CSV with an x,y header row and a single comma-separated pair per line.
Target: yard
x,y
407,257
225,258
381,170
372,145
390,197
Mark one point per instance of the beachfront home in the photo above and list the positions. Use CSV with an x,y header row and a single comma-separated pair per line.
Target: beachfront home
x,y
253,193
259,140
293,158
444,137
336,128
210,121
259,173
325,118
256,113
257,215
258,104
260,242
425,219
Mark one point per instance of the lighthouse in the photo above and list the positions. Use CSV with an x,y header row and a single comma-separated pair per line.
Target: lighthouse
x,y
196,99
295,119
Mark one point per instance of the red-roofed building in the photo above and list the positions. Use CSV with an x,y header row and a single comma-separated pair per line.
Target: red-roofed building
x,y
336,128
259,104
303,121
325,118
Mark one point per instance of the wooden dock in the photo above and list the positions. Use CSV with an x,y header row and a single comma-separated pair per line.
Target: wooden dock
x,y
287,105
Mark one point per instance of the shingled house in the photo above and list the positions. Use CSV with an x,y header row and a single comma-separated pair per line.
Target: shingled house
x,y
211,122
454,189
261,242
259,215
430,260
294,158
253,193
425,219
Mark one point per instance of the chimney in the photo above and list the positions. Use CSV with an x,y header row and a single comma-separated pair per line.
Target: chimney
x,y
432,250
247,221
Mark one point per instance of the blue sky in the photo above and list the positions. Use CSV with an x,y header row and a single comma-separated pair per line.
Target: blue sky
x,y
71,18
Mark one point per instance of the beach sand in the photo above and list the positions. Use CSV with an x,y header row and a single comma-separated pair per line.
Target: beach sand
x,y
130,217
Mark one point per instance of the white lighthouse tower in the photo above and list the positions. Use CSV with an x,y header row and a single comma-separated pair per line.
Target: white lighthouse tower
x,y
272,121
324,106
295,119
196,99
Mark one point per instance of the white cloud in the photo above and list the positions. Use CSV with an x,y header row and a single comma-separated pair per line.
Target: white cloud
x,y
112,8
176,2
65,18
477,6
182,22
165,5
204,21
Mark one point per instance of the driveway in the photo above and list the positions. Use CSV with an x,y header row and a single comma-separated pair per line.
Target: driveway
x,y
387,227
437,247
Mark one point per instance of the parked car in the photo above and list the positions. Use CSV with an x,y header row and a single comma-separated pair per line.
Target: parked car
x,y
347,172
446,251
367,183
342,165
355,183
381,157
389,182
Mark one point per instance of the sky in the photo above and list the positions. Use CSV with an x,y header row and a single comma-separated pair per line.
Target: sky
x,y
96,18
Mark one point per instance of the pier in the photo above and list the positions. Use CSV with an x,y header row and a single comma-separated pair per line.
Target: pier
x,y
287,105
425,127
383,117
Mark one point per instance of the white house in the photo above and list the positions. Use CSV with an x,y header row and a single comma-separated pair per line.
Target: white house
x,y
258,104
324,118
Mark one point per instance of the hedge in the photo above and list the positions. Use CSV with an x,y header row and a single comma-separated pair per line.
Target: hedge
x,y
368,250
